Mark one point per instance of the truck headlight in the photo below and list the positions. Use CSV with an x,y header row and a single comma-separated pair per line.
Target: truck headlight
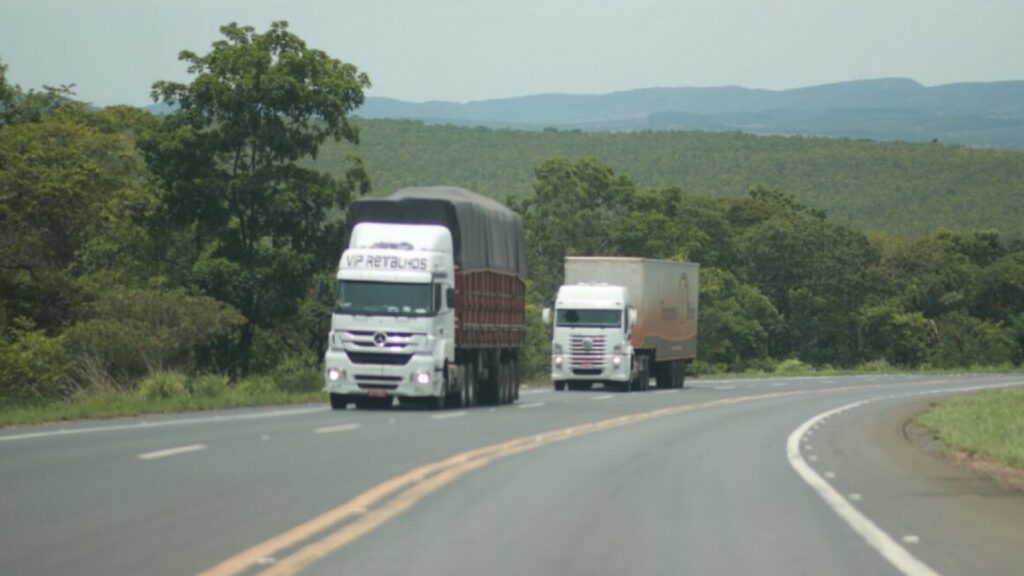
x,y
616,360
423,377
558,360
334,374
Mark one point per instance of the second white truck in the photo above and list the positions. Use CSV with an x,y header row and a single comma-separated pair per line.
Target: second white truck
x,y
621,321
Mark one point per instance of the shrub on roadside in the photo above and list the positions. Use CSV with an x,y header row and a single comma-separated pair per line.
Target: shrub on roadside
x,y
33,367
163,385
793,367
257,386
208,386
298,373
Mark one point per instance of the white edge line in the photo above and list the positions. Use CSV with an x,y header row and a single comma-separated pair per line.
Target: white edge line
x,y
449,415
338,428
884,544
161,424
172,451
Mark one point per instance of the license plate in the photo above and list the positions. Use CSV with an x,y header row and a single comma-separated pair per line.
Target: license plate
x,y
377,394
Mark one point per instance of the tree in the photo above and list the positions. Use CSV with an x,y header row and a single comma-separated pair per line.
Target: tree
x,y
576,210
229,162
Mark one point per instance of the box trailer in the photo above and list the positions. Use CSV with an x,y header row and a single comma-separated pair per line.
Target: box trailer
x,y
621,321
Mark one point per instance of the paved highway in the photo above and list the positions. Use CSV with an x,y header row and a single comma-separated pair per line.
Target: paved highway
x,y
771,476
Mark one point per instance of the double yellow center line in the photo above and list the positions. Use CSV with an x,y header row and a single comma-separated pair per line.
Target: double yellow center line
x,y
341,526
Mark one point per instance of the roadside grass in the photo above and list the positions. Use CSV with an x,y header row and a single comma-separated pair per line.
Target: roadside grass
x,y
989,424
161,393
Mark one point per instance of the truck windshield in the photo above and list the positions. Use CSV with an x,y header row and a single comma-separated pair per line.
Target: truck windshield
x,y
384,299
589,318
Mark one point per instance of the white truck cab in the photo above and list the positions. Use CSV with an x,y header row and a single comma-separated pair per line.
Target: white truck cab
x,y
393,323
591,340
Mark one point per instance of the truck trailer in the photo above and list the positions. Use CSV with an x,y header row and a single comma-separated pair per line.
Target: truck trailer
x,y
430,302
620,321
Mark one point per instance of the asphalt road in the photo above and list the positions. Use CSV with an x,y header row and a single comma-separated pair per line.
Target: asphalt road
x,y
773,476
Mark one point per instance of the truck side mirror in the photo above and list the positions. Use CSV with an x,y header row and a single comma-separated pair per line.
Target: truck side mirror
x,y
449,298
632,317
545,315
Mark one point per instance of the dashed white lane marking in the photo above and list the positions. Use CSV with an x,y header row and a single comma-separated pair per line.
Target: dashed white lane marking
x,y
912,539
779,384
725,387
448,415
884,544
532,405
164,423
337,428
603,397
875,537
265,561
665,392
265,437
172,451
854,496
830,475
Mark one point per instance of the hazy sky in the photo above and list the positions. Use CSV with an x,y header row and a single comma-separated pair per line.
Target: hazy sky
x,y
462,50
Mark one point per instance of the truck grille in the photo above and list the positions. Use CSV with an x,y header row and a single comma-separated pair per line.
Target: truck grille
x,y
586,351
367,339
380,359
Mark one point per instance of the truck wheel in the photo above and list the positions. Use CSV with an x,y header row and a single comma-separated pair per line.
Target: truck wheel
x,y
681,374
489,389
559,385
338,402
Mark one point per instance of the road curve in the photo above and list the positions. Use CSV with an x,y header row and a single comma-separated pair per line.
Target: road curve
x,y
774,476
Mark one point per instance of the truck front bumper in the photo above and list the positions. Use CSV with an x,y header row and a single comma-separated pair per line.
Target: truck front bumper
x,y
418,378
605,370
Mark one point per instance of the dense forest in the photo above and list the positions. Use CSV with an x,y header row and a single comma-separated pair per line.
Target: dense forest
x,y
901,188
204,241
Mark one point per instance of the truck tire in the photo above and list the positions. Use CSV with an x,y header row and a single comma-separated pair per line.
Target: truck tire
x,y
489,389
665,374
681,374
338,401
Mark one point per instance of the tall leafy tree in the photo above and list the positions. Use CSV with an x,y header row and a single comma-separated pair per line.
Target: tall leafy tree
x,y
230,161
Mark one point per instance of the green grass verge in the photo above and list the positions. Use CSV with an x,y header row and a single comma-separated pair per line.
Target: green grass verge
x,y
115,404
990,424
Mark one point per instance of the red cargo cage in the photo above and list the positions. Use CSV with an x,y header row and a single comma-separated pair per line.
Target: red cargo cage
x,y
490,309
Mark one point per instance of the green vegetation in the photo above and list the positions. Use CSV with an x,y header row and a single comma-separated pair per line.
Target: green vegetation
x,y
783,286
900,188
990,424
160,393
186,261
138,252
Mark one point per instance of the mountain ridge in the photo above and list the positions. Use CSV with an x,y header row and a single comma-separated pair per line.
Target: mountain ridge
x,y
980,114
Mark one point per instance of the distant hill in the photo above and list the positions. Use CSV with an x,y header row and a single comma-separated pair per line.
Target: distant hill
x,y
989,114
911,189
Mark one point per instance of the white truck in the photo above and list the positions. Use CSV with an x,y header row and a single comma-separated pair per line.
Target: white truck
x,y
620,321
430,303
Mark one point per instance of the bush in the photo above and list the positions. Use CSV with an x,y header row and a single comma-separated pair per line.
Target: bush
x,y
133,332
208,386
793,367
33,367
257,386
163,385
298,373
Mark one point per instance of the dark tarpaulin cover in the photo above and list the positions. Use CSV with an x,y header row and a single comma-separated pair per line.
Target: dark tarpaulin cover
x,y
485,233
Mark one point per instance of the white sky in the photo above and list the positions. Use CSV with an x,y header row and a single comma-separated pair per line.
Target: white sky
x,y
461,50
